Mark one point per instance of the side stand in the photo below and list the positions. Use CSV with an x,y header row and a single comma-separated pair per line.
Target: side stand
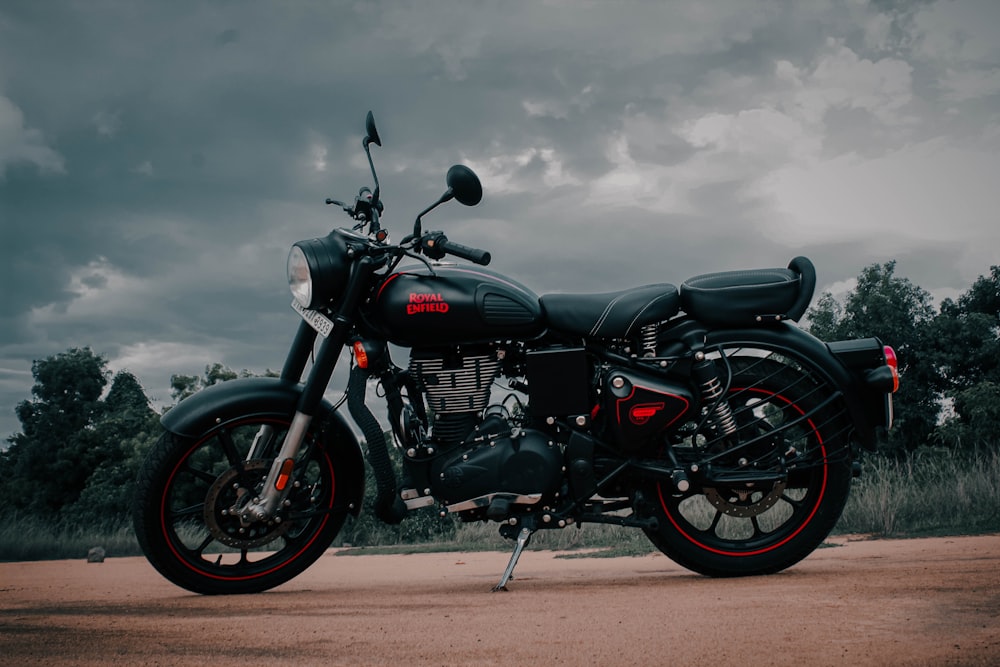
x,y
522,541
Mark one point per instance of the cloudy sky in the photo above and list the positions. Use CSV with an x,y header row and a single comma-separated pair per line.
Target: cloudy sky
x,y
157,159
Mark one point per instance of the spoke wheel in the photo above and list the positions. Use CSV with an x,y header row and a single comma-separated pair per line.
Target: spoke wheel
x,y
757,527
189,495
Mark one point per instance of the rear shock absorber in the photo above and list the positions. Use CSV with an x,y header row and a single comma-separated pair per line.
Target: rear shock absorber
x,y
647,339
706,376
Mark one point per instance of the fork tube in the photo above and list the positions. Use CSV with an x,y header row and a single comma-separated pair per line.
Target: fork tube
x,y
298,354
264,507
330,349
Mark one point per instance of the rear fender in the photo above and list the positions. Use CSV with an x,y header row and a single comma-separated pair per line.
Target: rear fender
x,y
270,397
866,406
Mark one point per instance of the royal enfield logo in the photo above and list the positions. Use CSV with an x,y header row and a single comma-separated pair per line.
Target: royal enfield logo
x,y
640,414
426,303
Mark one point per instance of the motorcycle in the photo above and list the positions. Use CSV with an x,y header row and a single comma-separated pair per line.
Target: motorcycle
x,y
701,415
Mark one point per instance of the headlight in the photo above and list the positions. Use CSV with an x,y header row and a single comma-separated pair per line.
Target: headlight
x,y
299,279
318,270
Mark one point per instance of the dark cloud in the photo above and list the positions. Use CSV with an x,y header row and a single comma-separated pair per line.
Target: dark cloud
x,y
157,159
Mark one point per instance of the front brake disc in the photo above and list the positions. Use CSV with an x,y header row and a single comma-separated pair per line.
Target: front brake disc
x,y
227,495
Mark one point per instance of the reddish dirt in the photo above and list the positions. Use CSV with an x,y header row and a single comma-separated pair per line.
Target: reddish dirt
x,y
909,602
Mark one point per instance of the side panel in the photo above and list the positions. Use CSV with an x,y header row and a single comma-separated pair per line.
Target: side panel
x,y
808,349
227,401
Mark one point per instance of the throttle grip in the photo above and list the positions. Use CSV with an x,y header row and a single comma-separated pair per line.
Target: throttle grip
x,y
436,245
475,255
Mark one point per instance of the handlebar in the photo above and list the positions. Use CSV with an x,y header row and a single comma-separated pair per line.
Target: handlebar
x,y
436,245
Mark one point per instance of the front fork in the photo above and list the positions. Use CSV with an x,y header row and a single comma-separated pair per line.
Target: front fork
x,y
265,506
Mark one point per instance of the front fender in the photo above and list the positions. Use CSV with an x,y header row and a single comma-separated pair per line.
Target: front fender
x,y
789,339
263,396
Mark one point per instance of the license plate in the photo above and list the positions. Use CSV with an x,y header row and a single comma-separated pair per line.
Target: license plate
x,y
317,320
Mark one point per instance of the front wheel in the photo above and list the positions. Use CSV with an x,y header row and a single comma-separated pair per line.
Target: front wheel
x,y
187,491
739,528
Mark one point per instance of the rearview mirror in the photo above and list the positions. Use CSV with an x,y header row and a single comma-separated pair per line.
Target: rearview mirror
x,y
372,137
464,185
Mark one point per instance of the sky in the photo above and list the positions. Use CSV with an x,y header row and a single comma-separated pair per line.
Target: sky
x,y
157,159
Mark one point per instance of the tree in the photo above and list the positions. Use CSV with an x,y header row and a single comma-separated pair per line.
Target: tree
x,y
966,335
984,296
126,429
182,386
48,463
899,313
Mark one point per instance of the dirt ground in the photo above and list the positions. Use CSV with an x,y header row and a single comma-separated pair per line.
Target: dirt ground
x,y
908,602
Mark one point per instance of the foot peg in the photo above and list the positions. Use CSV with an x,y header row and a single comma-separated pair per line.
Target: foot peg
x,y
522,541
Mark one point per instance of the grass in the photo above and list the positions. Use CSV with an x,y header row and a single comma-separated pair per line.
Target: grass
x,y
590,540
25,538
932,492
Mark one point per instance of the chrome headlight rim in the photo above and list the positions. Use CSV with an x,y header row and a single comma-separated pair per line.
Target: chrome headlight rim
x,y
300,280
318,270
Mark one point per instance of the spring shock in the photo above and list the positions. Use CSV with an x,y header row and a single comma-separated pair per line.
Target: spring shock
x,y
712,390
647,339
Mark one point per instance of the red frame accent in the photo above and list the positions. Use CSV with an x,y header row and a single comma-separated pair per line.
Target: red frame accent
x,y
620,401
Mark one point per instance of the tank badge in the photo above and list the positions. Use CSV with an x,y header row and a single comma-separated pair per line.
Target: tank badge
x,y
640,414
426,303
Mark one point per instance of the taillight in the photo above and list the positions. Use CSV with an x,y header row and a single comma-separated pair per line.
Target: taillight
x,y
892,362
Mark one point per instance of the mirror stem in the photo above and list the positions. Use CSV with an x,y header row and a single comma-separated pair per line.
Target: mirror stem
x,y
447,196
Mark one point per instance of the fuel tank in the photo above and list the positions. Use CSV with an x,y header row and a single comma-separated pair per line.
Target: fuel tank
x,y
454,304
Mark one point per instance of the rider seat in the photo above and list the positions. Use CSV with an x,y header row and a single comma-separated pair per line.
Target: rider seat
x,y
612,314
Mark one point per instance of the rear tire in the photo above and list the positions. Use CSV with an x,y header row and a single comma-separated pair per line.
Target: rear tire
x,y
750,529
184,493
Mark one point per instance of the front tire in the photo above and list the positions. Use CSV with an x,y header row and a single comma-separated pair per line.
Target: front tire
x,y
187,487
742,529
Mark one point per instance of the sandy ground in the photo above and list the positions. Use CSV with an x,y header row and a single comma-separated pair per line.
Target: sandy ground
x,y
910,602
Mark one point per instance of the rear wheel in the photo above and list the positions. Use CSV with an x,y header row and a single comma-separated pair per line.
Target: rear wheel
x,y
188,489
733,524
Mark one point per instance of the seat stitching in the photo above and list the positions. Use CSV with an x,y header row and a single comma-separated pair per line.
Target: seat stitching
x,y
604,315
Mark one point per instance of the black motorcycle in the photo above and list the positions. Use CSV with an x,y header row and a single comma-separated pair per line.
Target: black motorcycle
x,y
701,415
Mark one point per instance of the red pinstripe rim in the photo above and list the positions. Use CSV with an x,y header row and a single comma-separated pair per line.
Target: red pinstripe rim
x,y
203,572
798,530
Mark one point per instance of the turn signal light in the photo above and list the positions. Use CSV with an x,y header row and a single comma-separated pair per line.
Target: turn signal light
x,y
360,354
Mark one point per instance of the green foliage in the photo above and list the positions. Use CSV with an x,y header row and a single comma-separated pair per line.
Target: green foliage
x,y
76,456
419,526
48,463
182,386
947,358
933,490
976,422
133,426
898,312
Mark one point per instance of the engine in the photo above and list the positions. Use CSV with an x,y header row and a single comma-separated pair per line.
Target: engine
x,y
480,459
456,387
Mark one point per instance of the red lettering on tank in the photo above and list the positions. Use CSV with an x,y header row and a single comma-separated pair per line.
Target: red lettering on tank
x,y
426,303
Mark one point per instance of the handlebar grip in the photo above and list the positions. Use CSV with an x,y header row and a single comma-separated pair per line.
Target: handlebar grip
x,y
475,255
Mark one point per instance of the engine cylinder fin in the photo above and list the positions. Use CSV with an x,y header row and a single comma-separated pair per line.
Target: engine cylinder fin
x,y
457,389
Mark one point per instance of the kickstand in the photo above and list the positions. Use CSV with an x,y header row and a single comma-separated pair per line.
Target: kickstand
x,y
522,541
